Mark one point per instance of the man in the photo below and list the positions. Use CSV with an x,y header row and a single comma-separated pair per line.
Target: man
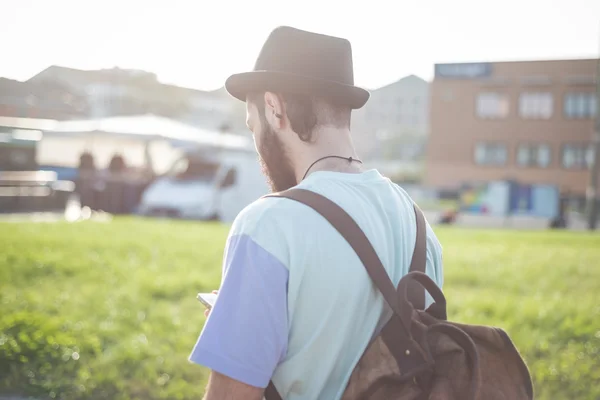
x,y
295,304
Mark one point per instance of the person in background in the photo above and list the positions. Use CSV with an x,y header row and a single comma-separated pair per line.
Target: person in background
x,y
85,183
296,305
117,164
115,181
448,216
561,220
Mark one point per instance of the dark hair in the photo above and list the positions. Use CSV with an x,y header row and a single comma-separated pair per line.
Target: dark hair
x,y
86,161
306,113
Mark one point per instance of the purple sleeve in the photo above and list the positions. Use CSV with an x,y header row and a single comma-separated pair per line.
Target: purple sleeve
x,y
246,334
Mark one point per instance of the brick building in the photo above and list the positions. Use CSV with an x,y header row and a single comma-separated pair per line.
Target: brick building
x,y
531,121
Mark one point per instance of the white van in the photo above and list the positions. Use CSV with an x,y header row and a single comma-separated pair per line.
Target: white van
x,y
206,185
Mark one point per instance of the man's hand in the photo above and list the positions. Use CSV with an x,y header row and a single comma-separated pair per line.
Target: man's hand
x,y
221,387
207,311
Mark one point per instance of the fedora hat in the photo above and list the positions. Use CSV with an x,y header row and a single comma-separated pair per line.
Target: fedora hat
x,y
296,61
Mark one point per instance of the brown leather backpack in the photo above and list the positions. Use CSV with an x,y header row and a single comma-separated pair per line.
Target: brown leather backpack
x,y
419,354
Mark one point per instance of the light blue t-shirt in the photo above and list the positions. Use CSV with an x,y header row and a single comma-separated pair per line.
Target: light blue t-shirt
x,y
295,303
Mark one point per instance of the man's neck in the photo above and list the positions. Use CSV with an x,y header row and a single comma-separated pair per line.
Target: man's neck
x,y
330,142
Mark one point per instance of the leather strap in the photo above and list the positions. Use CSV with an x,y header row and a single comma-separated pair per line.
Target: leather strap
x,y
271,392
416,293
350,230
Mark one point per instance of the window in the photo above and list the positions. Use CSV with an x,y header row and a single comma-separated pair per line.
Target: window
x,y
193,169
536,105
532,155
490,154
492,105
580,105
577,155
229,179
416,105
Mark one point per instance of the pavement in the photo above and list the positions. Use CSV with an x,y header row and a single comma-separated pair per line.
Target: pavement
x,y
576,221
71,214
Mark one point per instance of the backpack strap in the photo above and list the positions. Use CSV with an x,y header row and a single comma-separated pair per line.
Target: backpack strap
x,y
350,230
416,293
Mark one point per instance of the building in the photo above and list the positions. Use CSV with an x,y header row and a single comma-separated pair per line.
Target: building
x,y
39,100
109,92
123,92
216,110
391,130
529,121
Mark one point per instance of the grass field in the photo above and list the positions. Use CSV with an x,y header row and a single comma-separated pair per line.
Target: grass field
x,y
108,310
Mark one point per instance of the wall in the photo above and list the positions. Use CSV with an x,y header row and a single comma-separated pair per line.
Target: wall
x,y
393,125
455,127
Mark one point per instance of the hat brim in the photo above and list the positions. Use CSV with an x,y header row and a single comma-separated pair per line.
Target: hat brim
x,y
240,85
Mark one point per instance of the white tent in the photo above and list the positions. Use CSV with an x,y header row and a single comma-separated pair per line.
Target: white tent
x,y
148,127
133,136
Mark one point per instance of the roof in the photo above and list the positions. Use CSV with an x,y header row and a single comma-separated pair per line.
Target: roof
x,y
405,81
516,61
28,123
54,72
142,127
12,88
139,83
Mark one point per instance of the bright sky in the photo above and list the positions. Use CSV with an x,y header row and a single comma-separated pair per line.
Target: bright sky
x,y
198,43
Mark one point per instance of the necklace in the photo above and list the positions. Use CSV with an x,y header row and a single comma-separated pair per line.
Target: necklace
x,y
349,159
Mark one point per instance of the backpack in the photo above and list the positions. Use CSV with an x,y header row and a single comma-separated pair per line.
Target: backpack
x,y
419,354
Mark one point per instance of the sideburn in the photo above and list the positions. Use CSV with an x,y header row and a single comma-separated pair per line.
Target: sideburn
x,y
273,159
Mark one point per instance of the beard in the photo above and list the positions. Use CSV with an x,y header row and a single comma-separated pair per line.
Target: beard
x,y
273,160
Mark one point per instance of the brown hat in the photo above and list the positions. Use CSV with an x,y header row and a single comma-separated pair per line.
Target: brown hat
x,y
297,61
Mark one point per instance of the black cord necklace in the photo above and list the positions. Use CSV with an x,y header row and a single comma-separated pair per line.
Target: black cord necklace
x,y
349,159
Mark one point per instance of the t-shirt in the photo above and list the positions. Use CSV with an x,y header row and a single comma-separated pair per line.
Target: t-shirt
x,y
295,303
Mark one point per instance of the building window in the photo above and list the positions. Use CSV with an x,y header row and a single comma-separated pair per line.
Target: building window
x,y
536,105
490,154
532,155
580,105
575,156
492,105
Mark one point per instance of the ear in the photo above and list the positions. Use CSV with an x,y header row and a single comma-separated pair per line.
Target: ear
x,y
274,110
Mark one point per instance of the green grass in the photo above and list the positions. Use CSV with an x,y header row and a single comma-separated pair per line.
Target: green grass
x,y
108,311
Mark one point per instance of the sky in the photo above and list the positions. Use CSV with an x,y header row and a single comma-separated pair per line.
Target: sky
x,y
199,43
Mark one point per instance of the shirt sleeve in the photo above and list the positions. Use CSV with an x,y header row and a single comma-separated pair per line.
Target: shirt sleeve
x,y
246,333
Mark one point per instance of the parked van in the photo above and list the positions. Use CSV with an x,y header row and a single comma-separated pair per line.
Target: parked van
x,y
206,185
